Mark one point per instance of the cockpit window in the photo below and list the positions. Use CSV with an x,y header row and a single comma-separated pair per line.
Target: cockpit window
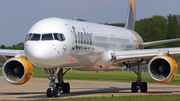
x,y
57,37
62,37
35,37
47,37
28,37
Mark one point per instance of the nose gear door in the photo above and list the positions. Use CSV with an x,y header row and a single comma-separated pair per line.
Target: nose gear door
x,y
71,32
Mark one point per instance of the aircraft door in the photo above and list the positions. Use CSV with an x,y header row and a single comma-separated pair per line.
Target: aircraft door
x,y
71,31
112,39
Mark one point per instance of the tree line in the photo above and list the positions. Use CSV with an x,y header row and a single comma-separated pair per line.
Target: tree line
x,y
19,46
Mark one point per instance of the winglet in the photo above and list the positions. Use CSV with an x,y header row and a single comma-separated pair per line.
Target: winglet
x,y
130,23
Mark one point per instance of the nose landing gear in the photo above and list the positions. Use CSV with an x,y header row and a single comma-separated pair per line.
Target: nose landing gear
x,y
56,88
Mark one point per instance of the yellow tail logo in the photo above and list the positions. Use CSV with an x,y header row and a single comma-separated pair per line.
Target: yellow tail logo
x,y
131,18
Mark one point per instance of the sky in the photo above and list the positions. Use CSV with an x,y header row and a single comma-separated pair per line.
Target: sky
x,y
18,16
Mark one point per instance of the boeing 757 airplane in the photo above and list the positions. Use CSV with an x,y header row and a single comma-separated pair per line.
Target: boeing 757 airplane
x,y
54,44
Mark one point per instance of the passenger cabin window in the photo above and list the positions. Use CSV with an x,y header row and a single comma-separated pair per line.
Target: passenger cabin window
x,y
35,37
47,37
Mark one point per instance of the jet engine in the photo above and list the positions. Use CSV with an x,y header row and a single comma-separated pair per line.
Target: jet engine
x,y
162,69
17,71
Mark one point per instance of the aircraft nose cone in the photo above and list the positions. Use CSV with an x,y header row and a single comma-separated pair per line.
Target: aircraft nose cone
x,y
39,53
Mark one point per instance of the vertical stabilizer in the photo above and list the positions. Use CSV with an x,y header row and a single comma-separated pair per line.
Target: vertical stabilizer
x,y
130,23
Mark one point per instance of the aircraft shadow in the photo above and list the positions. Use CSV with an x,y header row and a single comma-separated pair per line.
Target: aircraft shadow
x,y
91,91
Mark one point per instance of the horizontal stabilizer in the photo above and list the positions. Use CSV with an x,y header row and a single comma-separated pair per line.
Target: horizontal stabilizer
x,y
152,43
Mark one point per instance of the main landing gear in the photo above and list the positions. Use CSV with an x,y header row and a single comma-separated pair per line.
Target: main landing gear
x,y
56,88
135,86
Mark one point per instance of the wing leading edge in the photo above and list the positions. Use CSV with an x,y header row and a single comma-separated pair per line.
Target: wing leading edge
x,y
8,53
123,56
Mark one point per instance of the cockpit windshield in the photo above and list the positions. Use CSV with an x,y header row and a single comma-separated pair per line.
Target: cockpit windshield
x,y
28,37
49,36
35,37
59,37
62,37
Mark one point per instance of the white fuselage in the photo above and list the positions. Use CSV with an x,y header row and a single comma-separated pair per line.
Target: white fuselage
x,y
83,46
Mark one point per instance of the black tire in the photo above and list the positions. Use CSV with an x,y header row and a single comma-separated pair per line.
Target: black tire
x,y
66,88
134,87
143,87
49,92
57,92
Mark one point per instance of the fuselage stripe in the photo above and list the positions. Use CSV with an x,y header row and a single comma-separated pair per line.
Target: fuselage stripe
x,y
139,42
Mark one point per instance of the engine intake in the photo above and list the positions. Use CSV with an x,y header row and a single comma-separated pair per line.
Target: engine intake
x,y
17,71
162,69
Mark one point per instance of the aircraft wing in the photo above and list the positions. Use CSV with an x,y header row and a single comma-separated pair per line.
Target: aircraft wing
x,y
122,56
8,53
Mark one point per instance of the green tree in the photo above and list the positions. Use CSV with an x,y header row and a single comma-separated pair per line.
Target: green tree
x,y
2,60
178,20
172,30
116,24
3,47
81,20
19,46
152,29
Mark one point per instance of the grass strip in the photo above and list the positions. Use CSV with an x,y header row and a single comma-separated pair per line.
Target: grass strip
x,y
120,98
113,76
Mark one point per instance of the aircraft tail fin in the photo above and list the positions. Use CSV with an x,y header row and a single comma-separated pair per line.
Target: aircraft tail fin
x,y
131,18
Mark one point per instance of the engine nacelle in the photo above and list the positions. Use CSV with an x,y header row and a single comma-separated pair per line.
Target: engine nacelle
x,y
162,69
17,71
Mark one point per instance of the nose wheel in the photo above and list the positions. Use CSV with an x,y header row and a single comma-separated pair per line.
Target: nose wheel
x,y
56,92
49,92
56,88
66,88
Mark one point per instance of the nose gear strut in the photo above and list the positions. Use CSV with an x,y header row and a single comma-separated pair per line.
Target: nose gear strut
x,y
56,88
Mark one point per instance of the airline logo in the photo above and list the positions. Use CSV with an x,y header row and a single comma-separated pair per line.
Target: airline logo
x,y
133,5
130,24
133,8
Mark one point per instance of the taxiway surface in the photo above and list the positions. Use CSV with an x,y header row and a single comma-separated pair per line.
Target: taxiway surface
x,y
36,89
